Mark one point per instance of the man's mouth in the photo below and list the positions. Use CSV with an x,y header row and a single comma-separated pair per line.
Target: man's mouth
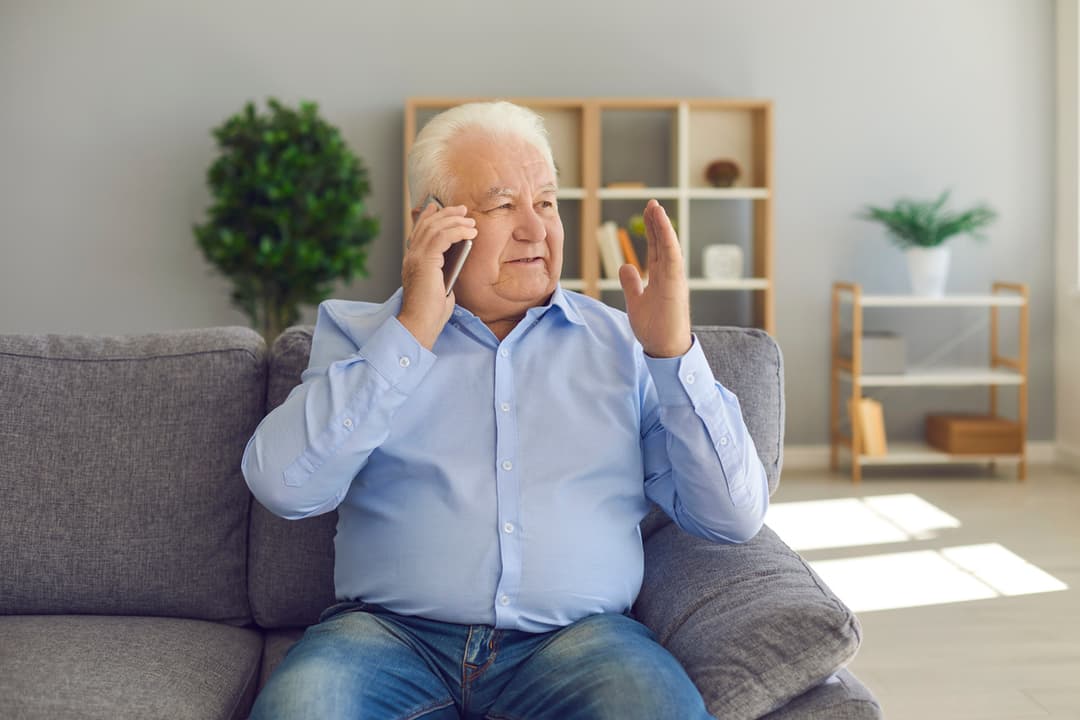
x,y
527,261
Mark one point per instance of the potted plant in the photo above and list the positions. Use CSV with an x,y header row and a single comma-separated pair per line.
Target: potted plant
x,y
920,229
288,216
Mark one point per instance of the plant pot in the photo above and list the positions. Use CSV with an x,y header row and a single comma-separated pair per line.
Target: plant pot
x,y
928,268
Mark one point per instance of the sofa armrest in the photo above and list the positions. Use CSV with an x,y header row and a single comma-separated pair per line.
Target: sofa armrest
x,y
751,623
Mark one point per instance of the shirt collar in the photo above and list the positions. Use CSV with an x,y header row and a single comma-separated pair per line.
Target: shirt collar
x,y
559,299
562,301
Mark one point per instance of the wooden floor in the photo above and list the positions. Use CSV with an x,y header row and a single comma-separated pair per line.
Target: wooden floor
x,y
1005,657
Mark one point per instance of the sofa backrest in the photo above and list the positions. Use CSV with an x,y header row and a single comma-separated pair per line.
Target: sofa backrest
x,y
291,562
120,484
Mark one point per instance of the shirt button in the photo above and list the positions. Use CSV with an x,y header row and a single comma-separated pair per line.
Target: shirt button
x,y
508,528
505,407
724,440
504,352
690,379
403,362
504,600
507,465
347,422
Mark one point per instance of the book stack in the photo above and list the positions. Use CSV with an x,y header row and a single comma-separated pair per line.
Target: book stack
x,y
616,249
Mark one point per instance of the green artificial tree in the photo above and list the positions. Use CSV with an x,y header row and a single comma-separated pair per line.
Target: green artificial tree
x,y
288,216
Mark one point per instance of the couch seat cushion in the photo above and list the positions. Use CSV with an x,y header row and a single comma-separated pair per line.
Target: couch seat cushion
x,y
115,667
841,697
751,623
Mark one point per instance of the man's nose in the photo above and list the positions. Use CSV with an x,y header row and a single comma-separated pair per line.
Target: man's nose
x,y
530,226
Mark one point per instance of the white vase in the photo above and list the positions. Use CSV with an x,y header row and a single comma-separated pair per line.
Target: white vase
x,y
928,268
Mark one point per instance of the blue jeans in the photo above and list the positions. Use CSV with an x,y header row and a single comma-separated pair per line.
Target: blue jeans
x,y
363,662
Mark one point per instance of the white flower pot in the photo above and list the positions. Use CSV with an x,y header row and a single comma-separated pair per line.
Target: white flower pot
x,y
928,268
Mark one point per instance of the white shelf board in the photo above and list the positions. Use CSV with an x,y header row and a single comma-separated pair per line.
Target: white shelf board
x,y
923,454
735,284
646,193
1000,300
570,193
692,283
733,193
940,377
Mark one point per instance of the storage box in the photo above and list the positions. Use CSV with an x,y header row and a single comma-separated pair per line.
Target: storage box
x,y
882,352
973,434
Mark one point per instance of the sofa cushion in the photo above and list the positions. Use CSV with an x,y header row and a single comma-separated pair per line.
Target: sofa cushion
x,y
774,629
841,697
120,472
291,562
109,667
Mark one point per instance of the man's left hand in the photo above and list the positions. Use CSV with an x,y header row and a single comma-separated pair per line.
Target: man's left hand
x,y
659,312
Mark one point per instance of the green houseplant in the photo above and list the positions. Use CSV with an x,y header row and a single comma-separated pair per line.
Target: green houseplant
x,y
288,216
920,228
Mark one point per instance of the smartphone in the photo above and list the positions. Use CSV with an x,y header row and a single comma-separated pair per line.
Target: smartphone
x,y
454,258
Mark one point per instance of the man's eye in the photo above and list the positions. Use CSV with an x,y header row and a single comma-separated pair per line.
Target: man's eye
x,y
547,204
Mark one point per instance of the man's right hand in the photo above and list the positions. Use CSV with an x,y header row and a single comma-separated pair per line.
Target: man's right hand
x,y
425,306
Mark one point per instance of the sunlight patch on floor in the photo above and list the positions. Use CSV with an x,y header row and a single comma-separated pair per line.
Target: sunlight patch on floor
x,y
933,577
849,522
902,579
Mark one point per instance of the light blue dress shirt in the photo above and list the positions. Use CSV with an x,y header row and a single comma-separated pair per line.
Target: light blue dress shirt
x,y
502,483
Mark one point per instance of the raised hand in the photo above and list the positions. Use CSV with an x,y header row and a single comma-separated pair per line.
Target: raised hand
x,y
659,312
425,306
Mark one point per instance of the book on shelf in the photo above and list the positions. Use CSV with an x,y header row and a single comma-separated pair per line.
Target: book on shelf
x,y
607,239
629,254
868,415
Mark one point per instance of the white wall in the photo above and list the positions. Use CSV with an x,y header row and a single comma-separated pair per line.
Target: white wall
x,y
1068,232
105,111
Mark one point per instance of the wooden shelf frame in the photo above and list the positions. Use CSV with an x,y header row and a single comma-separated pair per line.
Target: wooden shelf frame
x,y
1003,370
755,117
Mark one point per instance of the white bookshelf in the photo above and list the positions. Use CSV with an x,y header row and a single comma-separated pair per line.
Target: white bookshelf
x,y
1000,372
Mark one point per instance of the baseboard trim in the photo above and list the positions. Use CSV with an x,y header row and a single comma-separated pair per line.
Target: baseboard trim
x,y
816,457
1068,457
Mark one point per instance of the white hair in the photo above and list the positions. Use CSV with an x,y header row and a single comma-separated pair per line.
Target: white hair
x,y
428,171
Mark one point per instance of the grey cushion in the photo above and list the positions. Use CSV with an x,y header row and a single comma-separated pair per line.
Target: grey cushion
x,y
751,623
843,697
113,668
120,476
291,562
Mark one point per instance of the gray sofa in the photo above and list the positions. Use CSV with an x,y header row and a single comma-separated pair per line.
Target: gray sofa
x,y
138,578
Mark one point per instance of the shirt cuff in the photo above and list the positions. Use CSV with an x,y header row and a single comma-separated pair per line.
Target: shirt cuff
x,y
683,380
397,356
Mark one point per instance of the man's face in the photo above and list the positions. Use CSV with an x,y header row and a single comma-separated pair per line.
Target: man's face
x,y
516,259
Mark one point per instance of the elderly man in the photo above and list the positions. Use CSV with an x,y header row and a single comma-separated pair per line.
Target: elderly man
x,y
491,453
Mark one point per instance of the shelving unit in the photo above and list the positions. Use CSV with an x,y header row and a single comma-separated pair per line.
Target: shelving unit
x,y
1001,371
666,143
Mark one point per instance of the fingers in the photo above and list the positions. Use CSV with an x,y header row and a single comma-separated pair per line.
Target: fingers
x,y
437,229
631,282
663,243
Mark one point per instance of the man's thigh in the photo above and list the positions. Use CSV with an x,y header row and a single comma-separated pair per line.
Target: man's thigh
x,y
603,666
356,665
